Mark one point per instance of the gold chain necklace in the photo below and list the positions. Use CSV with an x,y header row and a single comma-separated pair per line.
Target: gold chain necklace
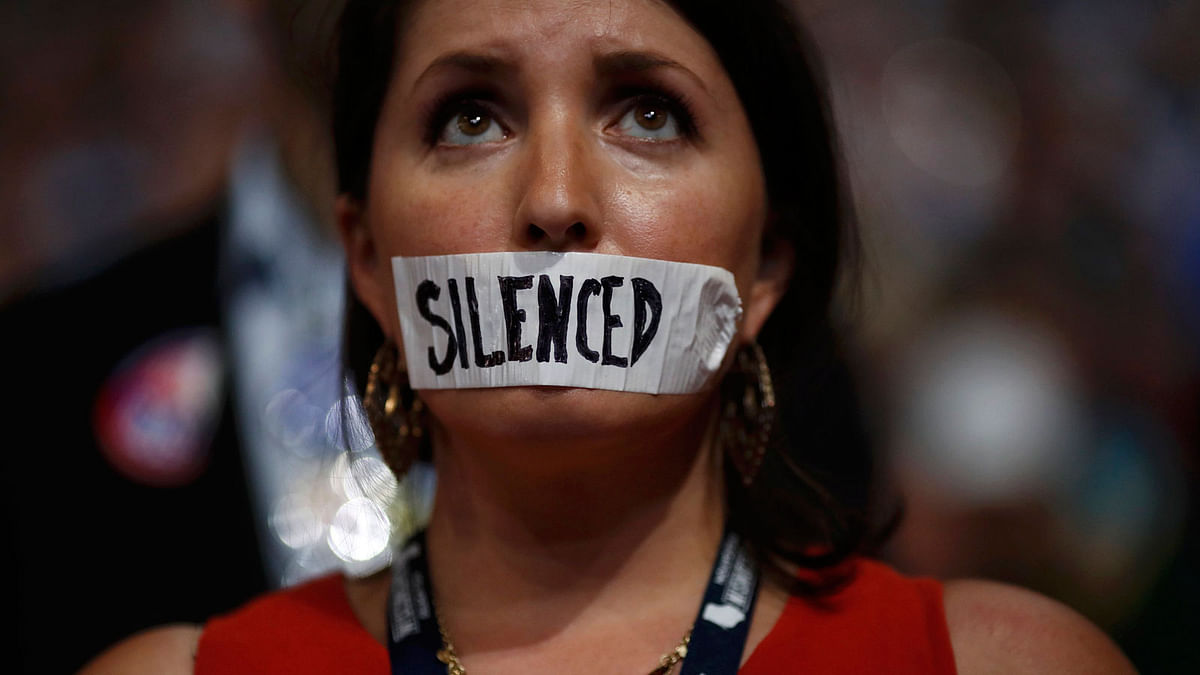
x,y
666,662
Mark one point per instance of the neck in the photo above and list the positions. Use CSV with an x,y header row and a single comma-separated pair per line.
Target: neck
x,y
573,545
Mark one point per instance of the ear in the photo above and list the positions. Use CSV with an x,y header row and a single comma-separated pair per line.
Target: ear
x,y
369,276
775,266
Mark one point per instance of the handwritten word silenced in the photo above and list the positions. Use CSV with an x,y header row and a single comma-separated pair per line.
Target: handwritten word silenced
x,y
554,306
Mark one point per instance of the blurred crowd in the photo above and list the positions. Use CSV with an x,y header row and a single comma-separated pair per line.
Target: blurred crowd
x,y
1026,182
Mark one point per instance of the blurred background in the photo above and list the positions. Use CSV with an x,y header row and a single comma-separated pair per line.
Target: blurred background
x,y
1027,183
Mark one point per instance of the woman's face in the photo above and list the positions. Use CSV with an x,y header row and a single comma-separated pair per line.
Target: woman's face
x,y
606,127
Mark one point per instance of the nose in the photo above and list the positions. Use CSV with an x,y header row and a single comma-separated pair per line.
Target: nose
x,y
558,207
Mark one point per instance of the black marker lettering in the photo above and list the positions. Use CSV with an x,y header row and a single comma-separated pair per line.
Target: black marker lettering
x,y
481,360
459,331
426,291
644,295
611,321
590,287
514,316
553,316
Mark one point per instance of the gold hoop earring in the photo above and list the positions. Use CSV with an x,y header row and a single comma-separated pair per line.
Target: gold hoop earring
x,y
747,411
394,411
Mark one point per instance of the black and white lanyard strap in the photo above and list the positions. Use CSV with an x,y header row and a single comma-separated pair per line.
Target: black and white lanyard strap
x,y
718,634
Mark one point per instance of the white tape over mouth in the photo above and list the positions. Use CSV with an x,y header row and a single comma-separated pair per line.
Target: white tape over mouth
x,y
514,319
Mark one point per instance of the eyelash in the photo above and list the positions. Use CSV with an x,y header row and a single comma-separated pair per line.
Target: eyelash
x,y
453,102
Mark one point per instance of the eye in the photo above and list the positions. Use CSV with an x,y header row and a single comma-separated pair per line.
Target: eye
x,y
651,118
470,124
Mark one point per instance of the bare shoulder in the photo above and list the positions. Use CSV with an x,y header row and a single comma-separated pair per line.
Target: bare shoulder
x,y
167,650
996,628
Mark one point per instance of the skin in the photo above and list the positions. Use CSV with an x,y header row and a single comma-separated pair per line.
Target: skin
x,y
564,177
559,509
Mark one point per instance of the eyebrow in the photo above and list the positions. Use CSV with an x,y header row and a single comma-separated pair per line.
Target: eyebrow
x,y
473,62
611,65
620,63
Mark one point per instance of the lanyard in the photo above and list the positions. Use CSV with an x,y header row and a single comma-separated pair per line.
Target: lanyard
x,y
718,634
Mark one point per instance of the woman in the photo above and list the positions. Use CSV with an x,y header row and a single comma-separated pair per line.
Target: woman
x,y
579,529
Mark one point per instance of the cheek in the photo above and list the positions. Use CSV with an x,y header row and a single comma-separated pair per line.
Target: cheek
x,y
710,216
413,217
423,217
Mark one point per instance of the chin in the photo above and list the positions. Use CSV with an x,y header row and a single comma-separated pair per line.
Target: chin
x,y
543,413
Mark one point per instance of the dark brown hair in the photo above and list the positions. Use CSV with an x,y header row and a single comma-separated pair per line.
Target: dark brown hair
x,y
804,509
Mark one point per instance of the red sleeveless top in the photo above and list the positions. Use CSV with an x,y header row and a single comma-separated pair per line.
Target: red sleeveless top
x,y
880,622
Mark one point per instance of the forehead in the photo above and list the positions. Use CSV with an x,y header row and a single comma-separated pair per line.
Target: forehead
x,y
550,31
